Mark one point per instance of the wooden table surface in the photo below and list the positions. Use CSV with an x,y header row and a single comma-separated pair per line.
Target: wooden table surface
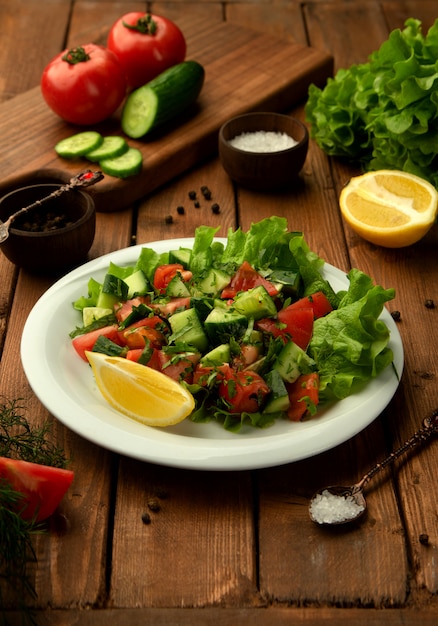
x,y
238,547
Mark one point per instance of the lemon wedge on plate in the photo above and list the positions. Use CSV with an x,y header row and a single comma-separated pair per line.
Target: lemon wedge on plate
x,y
390,208
140,392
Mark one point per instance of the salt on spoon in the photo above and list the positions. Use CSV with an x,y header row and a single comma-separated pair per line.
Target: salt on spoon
x,y
83,179
339,505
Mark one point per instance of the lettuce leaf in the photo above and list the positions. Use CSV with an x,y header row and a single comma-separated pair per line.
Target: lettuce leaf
x,y
383,113
350,344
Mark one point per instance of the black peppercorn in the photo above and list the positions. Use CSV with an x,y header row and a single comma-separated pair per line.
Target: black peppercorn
x,y
168,219
192,195
429,304
180,210
206,192
396,315
215,208
146,518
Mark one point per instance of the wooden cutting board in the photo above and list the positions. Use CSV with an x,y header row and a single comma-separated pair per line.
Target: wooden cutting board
x,y
245,71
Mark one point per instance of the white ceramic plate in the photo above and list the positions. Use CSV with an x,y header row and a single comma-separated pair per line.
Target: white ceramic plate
x,y
66,387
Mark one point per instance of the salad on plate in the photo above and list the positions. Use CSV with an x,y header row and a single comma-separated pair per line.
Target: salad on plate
x,y
249,325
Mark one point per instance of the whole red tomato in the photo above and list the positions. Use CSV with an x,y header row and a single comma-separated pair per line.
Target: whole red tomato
x,y
146,45
84,85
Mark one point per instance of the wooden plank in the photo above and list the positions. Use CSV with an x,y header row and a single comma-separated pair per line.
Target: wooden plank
x,y
409,271
239,77
197,548
272,616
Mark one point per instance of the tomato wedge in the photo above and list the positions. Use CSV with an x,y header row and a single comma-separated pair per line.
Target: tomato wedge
x,y
246,278
43,487
317,301
84,343
306,386
299,324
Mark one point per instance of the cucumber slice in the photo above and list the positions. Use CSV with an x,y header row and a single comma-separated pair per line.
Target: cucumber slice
x,y
111,147
162,99
128,164
78,145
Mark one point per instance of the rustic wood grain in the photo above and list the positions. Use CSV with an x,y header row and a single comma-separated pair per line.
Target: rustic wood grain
x,y
410,272
237,547
273,616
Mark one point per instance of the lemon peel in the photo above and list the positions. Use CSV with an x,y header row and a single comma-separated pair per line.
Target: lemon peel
x,y
140,392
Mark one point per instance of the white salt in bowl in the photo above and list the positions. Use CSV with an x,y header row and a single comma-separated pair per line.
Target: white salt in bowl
x,y
263,151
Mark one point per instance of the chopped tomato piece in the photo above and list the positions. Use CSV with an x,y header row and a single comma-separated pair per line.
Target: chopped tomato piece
x,y
202,374
246,278
148,329
249,353
320,304
271,326
43,487
306,386
178,367
299,324
84,343
164,274
243,391
124,309
317,301
154,362
168,308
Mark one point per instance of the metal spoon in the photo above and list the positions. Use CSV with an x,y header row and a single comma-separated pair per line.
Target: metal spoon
x,y
339,505
83,179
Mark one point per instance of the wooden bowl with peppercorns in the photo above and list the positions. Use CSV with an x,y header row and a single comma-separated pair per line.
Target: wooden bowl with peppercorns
x,y
52,237
263,151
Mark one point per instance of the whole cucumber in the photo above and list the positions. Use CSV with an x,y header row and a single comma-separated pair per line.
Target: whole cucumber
x,y
162,99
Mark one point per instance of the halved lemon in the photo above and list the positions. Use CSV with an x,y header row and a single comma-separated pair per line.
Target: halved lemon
x,y
389,208
140,392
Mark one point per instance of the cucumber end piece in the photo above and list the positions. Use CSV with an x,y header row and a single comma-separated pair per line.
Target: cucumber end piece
x,y
139,112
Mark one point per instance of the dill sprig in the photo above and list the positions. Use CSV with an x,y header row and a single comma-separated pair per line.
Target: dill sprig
x,y
20,440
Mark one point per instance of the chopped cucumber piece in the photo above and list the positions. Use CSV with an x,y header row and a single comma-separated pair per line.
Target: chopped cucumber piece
x,y
110,148
255,303
187,328
177,288
137,284
128,164
78,145
214,282
181,256
218,356
113,290
92,313
293,361
222,324
278,399
106,346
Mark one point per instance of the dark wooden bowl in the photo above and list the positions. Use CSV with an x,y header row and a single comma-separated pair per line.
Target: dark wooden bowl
x,y
263,170
49,251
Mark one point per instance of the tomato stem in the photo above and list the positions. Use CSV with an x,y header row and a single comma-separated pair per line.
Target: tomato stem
x,y
144,25
76,55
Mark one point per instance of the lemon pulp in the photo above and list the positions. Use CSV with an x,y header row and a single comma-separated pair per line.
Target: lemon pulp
x,y
140,392
389,207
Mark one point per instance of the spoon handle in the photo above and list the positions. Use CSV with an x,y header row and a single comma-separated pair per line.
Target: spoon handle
x,y
430,427
83,179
